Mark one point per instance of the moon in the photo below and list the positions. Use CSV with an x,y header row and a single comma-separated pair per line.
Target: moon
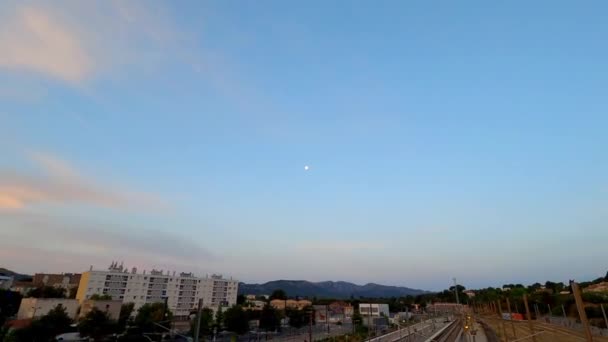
x,y
306,167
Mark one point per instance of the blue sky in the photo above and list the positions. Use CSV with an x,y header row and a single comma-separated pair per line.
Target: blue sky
x,y
444,139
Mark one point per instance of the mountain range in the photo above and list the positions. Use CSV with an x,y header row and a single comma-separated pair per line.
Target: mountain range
x,y
15,275
328,289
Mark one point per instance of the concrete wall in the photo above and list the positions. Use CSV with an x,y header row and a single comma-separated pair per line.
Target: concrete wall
x,y
37,307
112,307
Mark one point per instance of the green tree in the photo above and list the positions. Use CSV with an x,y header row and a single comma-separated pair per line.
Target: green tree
x,y
278,294
44,328
149,314
297,318
269,319
9,304
47,292
240,299
219,319
100,297
97,324
206,323
357,318
125,314
236,320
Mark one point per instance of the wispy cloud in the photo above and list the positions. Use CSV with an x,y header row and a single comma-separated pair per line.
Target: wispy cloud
x,y
58,182
66,243
75,41
340,246
36,40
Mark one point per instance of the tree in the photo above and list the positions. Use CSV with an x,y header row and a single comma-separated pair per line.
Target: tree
x,y
357,318
236,320
278,294
45,328
149,314
9,304
206,322
269,318
47,292
97,325
240,299
125,314
100,297
219,319
297,318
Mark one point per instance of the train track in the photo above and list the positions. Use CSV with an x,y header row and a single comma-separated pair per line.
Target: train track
x,y
449,333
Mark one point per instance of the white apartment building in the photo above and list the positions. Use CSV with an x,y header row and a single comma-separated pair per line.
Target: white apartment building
x,y
373,310
181,291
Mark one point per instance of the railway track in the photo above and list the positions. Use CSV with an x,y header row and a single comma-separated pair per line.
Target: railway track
x,y
449,333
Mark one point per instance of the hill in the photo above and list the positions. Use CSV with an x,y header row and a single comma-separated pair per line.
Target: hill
x,y
17,276
328,289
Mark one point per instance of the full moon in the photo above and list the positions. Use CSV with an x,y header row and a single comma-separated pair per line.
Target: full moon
x,y
306,167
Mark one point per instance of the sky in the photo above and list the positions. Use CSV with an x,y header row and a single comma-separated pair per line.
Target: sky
x,y
443,139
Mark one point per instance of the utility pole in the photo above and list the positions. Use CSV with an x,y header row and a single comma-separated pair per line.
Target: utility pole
x,y
310,326
502,322
529,317
511,318
327,317
198,319
604,313
456,291
581,310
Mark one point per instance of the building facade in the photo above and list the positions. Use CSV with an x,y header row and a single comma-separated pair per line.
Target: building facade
x,y
281,304
374,314
64,280
38,307
181,291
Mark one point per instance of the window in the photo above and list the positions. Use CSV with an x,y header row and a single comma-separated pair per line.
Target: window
x,y
134,297
145,278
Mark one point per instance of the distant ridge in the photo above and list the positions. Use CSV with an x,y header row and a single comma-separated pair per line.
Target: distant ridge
x,y
328,289
17,276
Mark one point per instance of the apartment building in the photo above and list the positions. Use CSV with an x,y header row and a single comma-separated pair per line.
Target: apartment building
x,y
181,291
63,280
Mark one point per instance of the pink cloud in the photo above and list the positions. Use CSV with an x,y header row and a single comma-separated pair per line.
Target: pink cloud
x,y
36,40
61,183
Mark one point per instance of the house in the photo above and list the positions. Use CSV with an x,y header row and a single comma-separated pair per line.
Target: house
x,y
372,312
281,304
37,307
335,312
254,305
6,282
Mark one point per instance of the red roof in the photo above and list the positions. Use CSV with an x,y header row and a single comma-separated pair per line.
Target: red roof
x,y
19,323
